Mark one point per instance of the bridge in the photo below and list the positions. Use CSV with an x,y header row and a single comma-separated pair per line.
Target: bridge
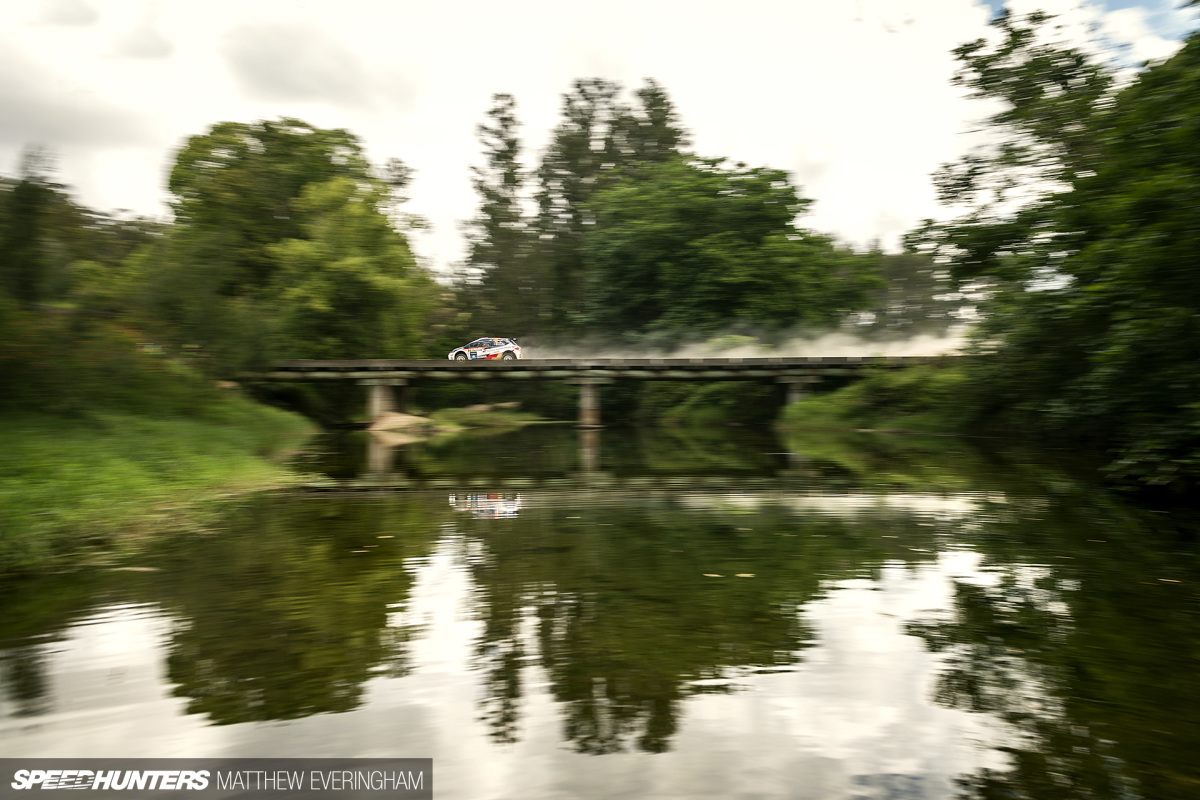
x,y
385,379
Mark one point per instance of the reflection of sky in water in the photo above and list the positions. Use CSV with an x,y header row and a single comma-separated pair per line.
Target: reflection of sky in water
x,y
841,504
854,718
107,694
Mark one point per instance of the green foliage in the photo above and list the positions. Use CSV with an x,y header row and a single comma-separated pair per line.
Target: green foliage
x,y
112,290
504,284
691,245
284,246
526,274
1051,95
866,460
913,389
187,309
24,265
914,295
45,236
1055,101
69,363
239,180
1091,322
351,289
69,485
290,572
638,241
599,140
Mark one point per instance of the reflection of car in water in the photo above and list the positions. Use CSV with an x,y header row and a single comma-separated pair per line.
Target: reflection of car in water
x,y
487,506
487,348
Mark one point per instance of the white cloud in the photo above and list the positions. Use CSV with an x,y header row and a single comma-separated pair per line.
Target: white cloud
x,y
292,62
145,40
67,12
1151,31
1132,26
852,98
74,114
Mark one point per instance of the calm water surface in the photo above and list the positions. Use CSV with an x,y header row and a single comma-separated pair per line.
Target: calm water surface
x,y
554,615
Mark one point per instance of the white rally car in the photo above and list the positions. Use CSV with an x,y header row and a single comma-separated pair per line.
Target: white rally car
x,y
503,349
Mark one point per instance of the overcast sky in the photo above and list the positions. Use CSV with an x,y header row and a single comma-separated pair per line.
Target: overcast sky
x,y
853,97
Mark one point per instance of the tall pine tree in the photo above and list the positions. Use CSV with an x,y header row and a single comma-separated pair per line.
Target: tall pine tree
x,y
598,140
503,283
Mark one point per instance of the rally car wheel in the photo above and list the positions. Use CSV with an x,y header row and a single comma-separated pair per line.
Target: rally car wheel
x,y
509,356
461,357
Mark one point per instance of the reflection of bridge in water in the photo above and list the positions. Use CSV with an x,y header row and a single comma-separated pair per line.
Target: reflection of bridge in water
x,y
386,471
796,484
385,379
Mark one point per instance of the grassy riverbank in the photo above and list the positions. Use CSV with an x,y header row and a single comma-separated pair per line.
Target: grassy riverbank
x,y
72,488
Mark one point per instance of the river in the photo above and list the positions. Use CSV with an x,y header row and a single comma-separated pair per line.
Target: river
x,y
550,614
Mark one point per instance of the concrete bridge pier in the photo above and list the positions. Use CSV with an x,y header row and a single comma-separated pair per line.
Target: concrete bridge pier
x,y
589,400
384,395
796,386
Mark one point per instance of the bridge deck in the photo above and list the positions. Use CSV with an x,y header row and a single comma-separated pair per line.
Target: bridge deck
x,y
637,368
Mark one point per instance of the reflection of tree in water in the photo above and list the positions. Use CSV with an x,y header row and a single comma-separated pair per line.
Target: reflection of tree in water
x,y
626,623
281,618
864,459
553,451
714,450
501,656
23,674
535,450
1092,661
614,689
46,607
500,653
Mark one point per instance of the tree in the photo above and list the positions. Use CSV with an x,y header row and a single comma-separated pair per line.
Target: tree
x,y
915,297
651,133
351,288
694,246
598,140
22,260
43,232
238,181
1054,101
505,285
1092,320
283,246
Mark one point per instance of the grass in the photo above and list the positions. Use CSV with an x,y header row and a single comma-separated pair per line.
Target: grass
x,y
73,489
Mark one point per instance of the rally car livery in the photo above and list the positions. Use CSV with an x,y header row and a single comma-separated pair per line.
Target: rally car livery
x,y
504,349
